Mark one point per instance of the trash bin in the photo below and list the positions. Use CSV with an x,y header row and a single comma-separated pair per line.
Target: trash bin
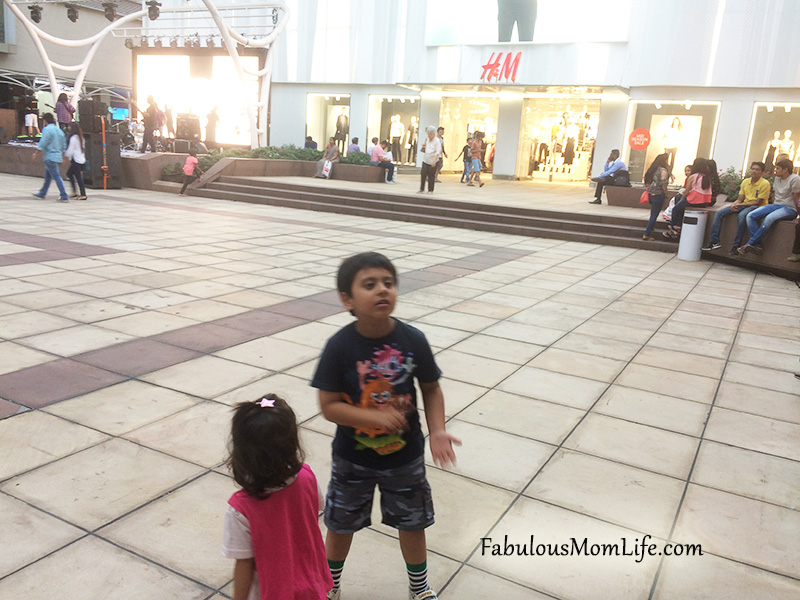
x,y
692,233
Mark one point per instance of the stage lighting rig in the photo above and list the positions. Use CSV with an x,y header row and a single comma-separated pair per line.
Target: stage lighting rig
x,y
152,9
173,43
72,12
36,13
158,43
129,43
110,10
210,41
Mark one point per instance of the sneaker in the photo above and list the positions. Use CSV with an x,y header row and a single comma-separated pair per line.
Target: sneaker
x,y
37,196
711,246
63,199
734,251
334,594
426,595
794,258
81,198
595,202
391,182
797,375
481,184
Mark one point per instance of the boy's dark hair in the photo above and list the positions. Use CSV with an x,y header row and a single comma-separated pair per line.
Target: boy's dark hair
x,y
192,151
758,164
308,138
353,264
785,164
49,118
264,448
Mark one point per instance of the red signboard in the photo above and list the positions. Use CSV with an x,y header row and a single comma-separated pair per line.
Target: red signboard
x,y
639,139
508,71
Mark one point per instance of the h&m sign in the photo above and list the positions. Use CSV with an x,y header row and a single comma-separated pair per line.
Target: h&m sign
x,y
498,68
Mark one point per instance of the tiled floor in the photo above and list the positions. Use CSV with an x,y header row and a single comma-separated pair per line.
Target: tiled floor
x,y
601,393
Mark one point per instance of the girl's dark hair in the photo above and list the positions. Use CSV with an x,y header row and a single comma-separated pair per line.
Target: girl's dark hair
x,y
716,184
662,160
62,97
264,447
700,167
75,129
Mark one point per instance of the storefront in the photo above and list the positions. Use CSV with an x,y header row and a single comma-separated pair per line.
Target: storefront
x,y
774,131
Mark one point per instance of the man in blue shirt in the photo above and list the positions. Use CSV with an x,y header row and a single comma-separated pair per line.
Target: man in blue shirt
x,y
613,164
52,145
310,143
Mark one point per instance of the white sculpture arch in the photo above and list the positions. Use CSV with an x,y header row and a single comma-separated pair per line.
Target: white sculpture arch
x,y
256,111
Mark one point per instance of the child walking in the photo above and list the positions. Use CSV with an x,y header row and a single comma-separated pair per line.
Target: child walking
x,y
365,379
271,526
191,170
77,158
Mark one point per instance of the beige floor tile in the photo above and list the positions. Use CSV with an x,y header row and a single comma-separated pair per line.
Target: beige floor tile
x,y
554,387
44,299
624,495
14,357
203,288
189,518
578,364
614,332
270,353
636,445
700,347
30,323
123,407
204,310
472,583
778,361
498,348
710,577
31,439
748,473
538,317
669,383
752,432
473,369
500,310
457,320
495,457
441,337
99,484
520,332
680,361
206,377
311,334
297,392
147,323
75,340
29,534
92,568
600,576
543,421
198,434
598,346
92,311
154,299
685,316
769,343
253,298
657,410
758,401
778,381
746,530
457,395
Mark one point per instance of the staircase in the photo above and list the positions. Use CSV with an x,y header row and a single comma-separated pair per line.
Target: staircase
x,y
594,229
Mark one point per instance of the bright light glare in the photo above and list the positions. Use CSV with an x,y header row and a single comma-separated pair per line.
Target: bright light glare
x,y
166,78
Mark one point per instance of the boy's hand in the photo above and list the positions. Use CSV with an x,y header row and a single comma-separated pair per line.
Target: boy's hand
x,y
391,420
442,449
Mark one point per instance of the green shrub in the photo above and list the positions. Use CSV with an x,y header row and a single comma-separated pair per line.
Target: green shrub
x,y
730,181
356,158
173,169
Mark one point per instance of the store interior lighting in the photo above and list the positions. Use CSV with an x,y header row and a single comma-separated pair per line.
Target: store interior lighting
x,y
688,105
110,10
36,13
770,108
72,12
787,108
658,105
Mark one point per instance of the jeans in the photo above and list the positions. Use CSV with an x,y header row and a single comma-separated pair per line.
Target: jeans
x,y
51,171
465,174
428,173
770,213
741,222
656,204
187,179
75,173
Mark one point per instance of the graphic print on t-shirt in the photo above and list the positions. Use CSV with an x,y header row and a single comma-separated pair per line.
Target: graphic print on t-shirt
x,y
379,378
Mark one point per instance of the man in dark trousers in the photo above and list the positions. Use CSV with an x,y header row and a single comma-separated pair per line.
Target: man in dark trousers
x,y
150,118
613,164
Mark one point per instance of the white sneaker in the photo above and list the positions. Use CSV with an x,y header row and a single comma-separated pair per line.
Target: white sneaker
x,y
390,182
334,594
426,595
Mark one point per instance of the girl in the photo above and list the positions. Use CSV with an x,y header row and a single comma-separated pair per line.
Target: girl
x,y
656,178
190,168
698,193
65,112
77,158
271,526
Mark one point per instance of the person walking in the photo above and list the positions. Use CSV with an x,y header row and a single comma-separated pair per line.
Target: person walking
x,y
442,156
465,154
77,158
475,152
431,151
52,146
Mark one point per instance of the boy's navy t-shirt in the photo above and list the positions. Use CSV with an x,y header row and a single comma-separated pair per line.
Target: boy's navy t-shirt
x,y
378,373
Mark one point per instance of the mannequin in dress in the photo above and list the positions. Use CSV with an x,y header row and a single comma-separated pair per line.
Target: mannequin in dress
x,y
396,132
769,152
672,140
411,140
786,145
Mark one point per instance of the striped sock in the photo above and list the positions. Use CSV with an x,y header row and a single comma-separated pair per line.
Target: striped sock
x,y
418,577
336,567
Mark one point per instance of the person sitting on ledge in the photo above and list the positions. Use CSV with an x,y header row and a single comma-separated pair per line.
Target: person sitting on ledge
x,y
331,154
613,164
310,143
353,147
787,193
753,192
381,159
698,194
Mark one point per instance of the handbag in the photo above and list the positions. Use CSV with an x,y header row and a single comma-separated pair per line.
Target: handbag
x,y
326,169
645,197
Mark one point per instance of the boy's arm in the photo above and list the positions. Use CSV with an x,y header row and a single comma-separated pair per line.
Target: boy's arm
x,y
335,409
441,441
243,577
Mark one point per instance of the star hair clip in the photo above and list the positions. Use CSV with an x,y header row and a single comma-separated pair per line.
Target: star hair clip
x,y
266,402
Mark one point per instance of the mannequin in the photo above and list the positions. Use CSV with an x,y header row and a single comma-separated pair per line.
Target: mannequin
x,y
786,145
769,152
396,132
342,130
411,140
672,140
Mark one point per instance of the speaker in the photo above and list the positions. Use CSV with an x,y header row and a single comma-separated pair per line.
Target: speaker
x,y
89,113
93,169
183,147
188,127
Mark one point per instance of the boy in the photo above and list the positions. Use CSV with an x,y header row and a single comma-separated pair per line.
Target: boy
x,y
365,381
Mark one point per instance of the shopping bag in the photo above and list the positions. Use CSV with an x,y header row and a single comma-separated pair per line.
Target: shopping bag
x,y
326,169
667,214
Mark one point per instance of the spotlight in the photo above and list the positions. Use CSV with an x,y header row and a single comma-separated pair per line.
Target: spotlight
x,y
658,106
158,43
210,41
187,42
36,13
129,43
173,43
72,12
110,10
152,9
143,42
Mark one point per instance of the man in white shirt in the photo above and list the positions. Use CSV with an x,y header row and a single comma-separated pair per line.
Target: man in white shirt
x,y
431,152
